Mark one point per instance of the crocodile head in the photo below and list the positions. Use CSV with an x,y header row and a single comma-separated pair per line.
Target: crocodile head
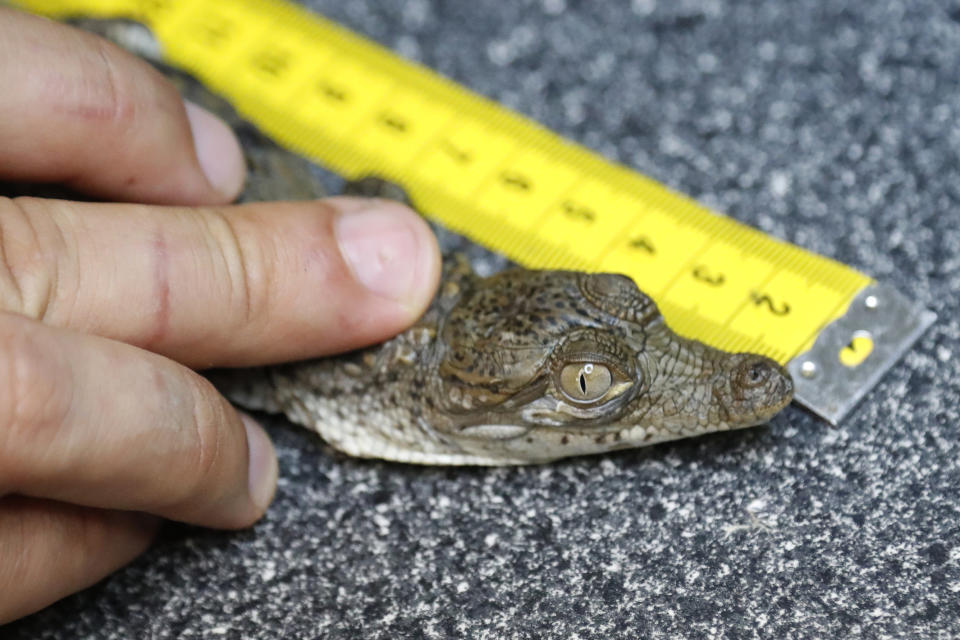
x,y
539,365
519,368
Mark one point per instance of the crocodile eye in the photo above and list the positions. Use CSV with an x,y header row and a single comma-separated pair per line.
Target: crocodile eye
x,y
585,381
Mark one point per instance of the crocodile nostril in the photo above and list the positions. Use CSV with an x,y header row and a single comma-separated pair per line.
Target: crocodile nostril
x,y
755,372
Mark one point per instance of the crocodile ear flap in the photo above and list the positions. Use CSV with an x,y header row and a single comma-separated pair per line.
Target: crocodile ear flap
x,y
619,296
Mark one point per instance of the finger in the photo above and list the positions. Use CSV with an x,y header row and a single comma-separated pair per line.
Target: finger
x,y
49,550
233,286
78,110
103,424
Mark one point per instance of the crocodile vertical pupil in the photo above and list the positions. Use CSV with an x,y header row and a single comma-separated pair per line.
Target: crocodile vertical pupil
x,y
584,372
585,382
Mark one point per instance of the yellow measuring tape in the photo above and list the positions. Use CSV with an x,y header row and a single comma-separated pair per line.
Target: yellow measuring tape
x,y
495,176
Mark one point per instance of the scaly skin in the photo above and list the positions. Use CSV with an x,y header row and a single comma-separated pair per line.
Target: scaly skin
x,y
490,376
518,368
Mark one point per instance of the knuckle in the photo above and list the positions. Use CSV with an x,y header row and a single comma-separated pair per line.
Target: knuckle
x,y
34,254
247,272
36,394
206,432
113,99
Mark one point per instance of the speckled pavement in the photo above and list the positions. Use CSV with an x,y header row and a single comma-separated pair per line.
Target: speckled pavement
x,y
834,124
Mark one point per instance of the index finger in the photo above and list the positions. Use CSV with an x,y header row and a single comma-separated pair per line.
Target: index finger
x,y
229,286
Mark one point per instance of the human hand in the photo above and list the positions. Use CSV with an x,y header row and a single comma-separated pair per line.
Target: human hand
x,y
104,309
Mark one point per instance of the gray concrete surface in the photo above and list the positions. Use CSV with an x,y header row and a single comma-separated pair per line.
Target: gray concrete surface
x,y
834,124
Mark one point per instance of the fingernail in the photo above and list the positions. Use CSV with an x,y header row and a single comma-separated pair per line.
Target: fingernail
x,y
217,149
262,476
388,248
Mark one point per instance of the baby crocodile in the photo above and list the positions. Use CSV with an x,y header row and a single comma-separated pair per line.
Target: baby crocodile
x,y
517,368
522,367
